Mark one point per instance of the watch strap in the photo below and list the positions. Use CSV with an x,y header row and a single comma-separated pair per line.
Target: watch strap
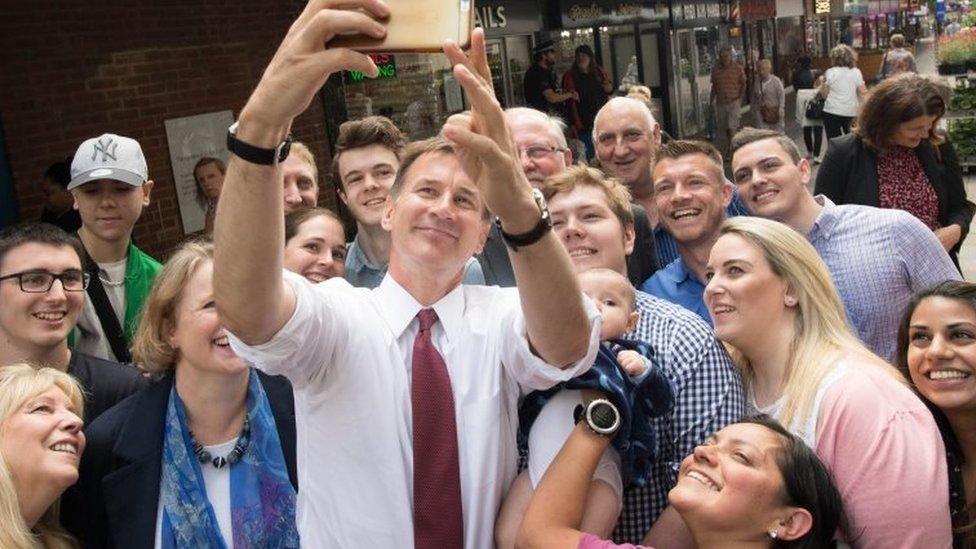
x,y
516,241
257,155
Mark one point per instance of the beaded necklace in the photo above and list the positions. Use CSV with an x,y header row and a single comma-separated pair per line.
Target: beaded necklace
x,y
235,455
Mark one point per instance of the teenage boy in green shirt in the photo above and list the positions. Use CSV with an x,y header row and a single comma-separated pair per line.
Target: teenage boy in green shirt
x,y
110,185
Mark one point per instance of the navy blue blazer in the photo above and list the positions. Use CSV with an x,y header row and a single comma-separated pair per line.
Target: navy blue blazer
x,y
116,499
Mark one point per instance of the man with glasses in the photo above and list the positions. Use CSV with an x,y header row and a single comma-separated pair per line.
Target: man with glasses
x,y
543,152
42,290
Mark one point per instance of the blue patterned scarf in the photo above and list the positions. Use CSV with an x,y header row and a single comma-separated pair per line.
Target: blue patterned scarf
x,y
262,499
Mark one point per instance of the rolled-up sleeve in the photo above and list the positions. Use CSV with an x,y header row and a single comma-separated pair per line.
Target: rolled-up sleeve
x,y
529,371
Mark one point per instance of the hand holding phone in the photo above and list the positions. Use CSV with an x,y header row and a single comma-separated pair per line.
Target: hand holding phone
x,y
416,26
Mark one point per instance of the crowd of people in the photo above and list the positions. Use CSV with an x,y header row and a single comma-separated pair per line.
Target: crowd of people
x,y
516,349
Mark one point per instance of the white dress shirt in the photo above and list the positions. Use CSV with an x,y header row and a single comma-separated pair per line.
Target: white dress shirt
x,y
348,353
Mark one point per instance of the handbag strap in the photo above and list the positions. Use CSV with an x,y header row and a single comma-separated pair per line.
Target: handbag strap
x,y
106,314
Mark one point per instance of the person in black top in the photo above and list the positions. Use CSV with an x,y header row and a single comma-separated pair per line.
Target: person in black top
x,y
588,79
541,92
59,208
42,290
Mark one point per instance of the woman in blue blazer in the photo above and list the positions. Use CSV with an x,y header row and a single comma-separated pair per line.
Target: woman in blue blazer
x,y
205,457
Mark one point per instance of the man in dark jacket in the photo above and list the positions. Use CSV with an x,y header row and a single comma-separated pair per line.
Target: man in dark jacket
x,y
42,290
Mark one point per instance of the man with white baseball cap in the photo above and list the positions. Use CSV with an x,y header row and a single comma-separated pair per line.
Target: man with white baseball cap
x,y
111,186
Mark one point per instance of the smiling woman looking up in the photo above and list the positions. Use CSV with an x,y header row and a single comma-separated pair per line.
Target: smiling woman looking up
x,y
774,303
40,446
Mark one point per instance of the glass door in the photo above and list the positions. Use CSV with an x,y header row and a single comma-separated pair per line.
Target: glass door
x,y
495,50
686,76
518,55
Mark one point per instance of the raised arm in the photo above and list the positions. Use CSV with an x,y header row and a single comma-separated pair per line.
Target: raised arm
x,y
553,517
543,272
252,297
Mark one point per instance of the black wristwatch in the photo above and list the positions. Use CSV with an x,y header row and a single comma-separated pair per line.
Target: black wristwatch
x,y
515,241
257,155
600,415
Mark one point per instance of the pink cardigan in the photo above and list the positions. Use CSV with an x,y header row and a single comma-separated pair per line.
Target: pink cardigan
x,y
888,461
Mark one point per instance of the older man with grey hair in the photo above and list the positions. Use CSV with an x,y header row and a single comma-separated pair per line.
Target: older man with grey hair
x,y
543,151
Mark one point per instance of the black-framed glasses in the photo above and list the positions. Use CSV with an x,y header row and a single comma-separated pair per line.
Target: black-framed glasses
x,y
40,282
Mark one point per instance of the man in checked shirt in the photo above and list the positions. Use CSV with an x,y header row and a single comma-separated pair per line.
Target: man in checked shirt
x,y
594,221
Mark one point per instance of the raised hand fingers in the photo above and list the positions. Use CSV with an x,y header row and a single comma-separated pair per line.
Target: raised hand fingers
x,y
349,60
476,60
376,7
326,24
488,113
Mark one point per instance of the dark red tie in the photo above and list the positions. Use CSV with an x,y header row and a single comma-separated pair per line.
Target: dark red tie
x,y
437,519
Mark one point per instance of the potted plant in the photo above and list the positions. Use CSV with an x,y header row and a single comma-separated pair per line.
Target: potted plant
x,y
952,56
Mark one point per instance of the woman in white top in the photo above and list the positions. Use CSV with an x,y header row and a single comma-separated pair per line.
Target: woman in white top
x,y
774,303
843,89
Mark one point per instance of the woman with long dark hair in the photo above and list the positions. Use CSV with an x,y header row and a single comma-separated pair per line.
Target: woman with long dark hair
x,y
896,158
937,353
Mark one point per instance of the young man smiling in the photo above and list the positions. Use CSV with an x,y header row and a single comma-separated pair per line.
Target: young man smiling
x,y
111,186
42,290
364,166
591,215
877,257
691,195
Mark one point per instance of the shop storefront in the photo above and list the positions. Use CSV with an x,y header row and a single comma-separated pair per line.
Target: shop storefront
x,y
759,35
699,29
790,38
418,91
628,39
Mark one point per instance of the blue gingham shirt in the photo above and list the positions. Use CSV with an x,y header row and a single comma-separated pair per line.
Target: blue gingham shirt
x,y
878,258
708,395
667,247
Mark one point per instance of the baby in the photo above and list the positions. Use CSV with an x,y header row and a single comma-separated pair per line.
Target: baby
x,y
613,296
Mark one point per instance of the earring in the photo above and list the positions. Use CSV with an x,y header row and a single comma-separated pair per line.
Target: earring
x,y
790,301
773,534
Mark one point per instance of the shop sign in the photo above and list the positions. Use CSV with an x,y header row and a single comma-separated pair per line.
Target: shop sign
x,y
690,10
751,10
511,17
384,62
855,7
587,13
821,7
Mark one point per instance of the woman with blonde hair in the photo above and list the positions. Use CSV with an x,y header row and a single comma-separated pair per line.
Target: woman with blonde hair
x,y
205,457
40,445
774,303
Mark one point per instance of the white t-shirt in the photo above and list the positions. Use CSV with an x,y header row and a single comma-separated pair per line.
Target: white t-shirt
x,y
217,483
348,353
92,338
842,98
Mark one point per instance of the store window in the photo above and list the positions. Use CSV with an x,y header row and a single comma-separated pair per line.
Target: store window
x,y
789,46
416,91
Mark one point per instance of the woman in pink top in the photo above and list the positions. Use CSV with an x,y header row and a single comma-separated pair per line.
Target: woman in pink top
x,y
752,484
774,303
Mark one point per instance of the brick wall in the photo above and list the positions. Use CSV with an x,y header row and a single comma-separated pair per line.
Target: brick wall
x,y
74,70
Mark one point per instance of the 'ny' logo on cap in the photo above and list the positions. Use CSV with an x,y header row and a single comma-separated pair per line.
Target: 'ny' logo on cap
x,y
107,148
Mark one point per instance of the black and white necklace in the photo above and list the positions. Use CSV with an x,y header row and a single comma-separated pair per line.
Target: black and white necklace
x,y
235,455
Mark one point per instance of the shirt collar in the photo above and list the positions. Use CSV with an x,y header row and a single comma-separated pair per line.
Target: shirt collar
x,y
358,257
401,308
824,225
677,272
